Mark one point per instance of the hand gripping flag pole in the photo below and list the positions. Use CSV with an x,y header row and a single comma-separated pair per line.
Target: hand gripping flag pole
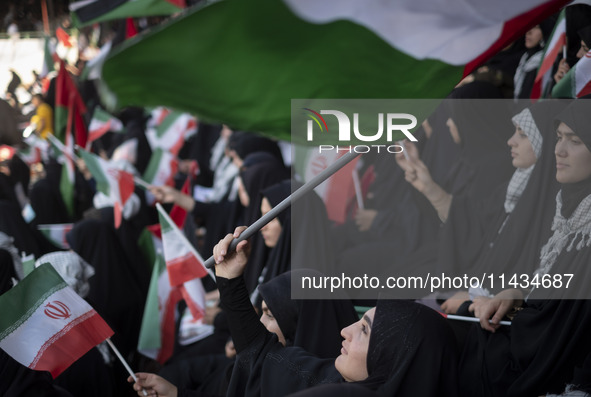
x,y
307,187
120,357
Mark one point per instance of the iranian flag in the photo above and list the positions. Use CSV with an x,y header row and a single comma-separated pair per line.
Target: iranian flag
x,y
577,82
161,169
56,233
113,182
178,214
172,132
45,325
157,333
87,12
182,260
275,50
338,190
554,47
101,123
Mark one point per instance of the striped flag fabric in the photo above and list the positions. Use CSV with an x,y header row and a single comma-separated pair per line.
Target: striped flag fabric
x,y
45,325
337,191
182,260
69,108
101,123
577,82
161,169
554,47
157,333
111,181
87,12
56,233
276,50
171,133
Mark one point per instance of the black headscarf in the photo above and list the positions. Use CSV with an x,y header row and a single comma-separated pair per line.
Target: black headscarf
x,y
577,117
412,352
313,325
114,290
245,143
255,178
479,236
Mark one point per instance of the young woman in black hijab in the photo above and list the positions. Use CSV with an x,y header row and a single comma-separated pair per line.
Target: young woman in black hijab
x,y
385,350
549,335
505,232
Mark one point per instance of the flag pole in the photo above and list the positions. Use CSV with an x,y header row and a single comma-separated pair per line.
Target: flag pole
x,y
120,357
269,216
472,319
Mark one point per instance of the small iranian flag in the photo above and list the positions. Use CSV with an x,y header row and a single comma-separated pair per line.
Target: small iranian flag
x,y
101,123
182,260
157,333
69,108
45,325
554,47
113,182
56,233
172,132
161,169
577,82
336,191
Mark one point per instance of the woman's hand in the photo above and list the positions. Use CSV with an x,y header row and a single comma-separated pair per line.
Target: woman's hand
x,y
415,171
452,304
153,384
497,307
563,69
167,194
364,219
231,264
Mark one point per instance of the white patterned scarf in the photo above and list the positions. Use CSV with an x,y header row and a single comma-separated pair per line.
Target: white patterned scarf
x,y
569,234
518,182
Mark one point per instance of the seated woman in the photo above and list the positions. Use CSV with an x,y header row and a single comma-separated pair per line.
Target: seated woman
x,y
397,346
549,336
295,322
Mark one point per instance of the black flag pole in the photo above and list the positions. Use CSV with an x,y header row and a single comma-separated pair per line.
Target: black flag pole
x,y
307,187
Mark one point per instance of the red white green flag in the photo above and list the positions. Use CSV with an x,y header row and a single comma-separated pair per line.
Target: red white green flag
x,y
69,108
111,181
101,123
182,260
556,43
276,50
56,233
577,82
157,334
161,169
45,325
172,132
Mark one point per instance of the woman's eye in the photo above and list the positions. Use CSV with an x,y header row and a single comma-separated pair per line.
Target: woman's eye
x,y
522,135
575,142
363,329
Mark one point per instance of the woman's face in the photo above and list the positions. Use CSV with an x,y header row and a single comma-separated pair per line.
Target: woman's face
x,y
582,50
533,37
521,149
573,159
272,230
271,324
352,363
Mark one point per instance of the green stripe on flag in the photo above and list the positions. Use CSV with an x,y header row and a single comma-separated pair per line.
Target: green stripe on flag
x,y
19,303
60,121
132,8
166,227
146,246
247,76
94,167
153,166
150,334
168,122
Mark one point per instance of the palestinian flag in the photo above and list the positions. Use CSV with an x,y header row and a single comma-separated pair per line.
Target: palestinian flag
x,y
45,325
247,72
577,82
56,233
157,333
554,47
113,182
88,12
171,133
182,260
101,123
69,108
337,191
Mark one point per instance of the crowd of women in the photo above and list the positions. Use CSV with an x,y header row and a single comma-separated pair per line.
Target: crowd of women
x,y
493,186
